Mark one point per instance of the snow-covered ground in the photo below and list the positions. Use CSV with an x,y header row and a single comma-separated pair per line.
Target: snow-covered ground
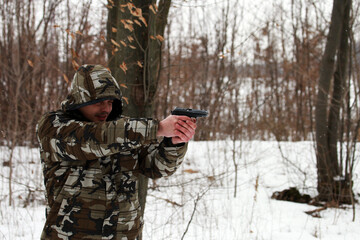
x,y
204,199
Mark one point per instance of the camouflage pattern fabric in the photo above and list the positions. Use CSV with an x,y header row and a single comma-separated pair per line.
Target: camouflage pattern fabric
x,y
91,169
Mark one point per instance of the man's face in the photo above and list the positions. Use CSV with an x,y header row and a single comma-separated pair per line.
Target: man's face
x,y
97,112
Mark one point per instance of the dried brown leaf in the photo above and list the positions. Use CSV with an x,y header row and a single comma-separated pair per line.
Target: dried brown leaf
x,y
136,12
143,20
31,64
152,9
137,22
130,5
123,43
74,53
114,51
115,43
126,99
130,38
66,78
211,178
123,67
127,25
160,38
75,65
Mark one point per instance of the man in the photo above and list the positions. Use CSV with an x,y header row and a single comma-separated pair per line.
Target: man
x,y
92,157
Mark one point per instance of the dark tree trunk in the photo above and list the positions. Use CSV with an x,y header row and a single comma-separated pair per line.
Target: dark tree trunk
x,y
330,177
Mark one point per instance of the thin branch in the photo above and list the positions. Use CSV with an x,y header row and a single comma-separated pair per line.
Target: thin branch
x,y
200,195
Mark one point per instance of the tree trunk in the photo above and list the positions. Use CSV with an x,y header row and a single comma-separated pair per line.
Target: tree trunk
x,y
327,117
135,57
343,189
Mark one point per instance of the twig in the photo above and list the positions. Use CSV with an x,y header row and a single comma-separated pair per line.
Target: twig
x,y
315,213
193,212
168,201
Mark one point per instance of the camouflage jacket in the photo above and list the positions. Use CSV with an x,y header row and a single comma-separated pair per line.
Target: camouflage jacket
x,y
91,169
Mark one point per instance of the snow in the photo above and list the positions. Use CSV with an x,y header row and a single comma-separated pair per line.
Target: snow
x,y
199,201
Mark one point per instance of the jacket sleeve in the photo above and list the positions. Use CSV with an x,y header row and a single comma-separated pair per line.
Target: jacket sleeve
x,y
161,160
66,139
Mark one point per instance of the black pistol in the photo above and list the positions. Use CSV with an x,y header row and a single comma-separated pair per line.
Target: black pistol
x,y
193,113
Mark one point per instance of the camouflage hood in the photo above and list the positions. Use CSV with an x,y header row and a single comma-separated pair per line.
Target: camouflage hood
x,y
92,84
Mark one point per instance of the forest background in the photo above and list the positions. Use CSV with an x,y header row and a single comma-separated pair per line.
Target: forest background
x,y
255,66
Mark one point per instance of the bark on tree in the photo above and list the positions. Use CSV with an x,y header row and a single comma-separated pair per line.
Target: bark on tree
x,y
135,56
327,117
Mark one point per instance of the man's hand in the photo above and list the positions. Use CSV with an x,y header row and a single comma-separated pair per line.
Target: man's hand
x,y
180,128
